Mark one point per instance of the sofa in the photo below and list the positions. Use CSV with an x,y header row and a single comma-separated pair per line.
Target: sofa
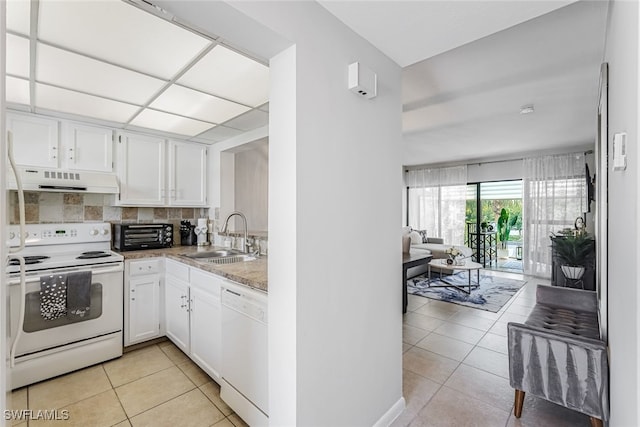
x,y
417,240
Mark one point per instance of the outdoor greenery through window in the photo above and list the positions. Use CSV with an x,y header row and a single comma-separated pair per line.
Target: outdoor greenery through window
x,y
494,196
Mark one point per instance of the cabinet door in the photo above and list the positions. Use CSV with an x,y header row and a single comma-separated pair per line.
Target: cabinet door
x,y
35,140
144,308
141,170
206,331
187,174
88,148
177,312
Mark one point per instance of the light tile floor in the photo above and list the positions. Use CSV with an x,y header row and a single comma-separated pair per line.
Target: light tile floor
x,y
455,374
153,386
455,366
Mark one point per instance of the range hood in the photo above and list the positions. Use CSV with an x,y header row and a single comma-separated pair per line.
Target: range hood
x,y
39,179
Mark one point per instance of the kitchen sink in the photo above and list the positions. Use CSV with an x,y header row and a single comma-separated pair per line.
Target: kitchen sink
x,y
221,256
216,253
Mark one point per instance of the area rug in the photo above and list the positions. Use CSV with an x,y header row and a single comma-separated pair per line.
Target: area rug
x,y
493,293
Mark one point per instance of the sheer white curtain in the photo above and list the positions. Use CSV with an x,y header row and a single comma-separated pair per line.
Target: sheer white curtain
x,y
436,202
555,194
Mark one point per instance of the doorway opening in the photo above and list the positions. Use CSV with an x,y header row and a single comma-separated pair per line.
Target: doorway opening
x,y
493,228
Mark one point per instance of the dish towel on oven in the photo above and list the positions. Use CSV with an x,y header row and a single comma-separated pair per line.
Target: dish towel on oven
x,y
53,296
78,294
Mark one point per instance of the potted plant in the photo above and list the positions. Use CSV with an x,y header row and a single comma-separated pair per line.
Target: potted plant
x,y
505,222
573,252
483,226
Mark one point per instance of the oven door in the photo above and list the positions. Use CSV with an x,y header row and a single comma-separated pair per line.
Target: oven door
x,y
105,314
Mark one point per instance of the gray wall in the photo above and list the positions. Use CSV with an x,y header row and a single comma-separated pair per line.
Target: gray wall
x,y
624,255
251,192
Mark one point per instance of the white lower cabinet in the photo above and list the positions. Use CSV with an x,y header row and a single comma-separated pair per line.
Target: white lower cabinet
x,y
206,321
143,284
176,300
193,314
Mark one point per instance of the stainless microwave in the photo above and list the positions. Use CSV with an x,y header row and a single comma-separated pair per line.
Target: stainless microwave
x,y
131,237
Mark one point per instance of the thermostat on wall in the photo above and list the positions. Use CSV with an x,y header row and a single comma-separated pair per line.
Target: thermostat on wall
x,y
620,151
362,81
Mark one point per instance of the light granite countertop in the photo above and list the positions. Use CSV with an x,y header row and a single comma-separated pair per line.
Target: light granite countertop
x,y
249,273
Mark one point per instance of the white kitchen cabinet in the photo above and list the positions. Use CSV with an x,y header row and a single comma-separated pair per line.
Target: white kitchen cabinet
x,y
141,170
206,321
187,174
154,172
177,304
87,148
142,317
36,140
60,144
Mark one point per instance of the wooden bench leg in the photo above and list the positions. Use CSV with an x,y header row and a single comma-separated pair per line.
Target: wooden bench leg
x,y
595,422
519,401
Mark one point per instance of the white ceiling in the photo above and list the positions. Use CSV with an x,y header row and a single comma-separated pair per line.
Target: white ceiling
x,y
146,74
470,65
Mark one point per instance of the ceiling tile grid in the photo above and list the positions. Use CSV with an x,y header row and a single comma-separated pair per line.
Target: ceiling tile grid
x,y
113,61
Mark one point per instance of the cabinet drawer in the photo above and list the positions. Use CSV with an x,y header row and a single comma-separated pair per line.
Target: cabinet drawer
x,y
206,282
147,266
177,270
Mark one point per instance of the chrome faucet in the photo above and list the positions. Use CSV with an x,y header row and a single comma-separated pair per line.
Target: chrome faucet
x,y
226,224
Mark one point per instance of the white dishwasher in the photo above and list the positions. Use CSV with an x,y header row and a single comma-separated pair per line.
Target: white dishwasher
x,y
244,366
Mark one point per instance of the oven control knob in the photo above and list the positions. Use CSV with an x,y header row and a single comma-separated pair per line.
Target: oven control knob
x,y
104,231
93,232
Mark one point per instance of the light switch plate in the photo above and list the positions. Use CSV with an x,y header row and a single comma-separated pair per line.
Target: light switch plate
x,y
620,151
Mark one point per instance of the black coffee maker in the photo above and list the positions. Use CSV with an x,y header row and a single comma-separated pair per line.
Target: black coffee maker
x,y
187,234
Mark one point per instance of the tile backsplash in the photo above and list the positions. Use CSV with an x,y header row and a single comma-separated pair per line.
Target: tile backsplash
x,y
44,207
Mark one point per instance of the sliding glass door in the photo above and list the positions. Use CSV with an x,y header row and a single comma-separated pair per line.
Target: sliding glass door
x,y
493,228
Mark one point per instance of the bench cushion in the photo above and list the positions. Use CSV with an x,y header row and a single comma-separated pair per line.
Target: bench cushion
x,y
580,323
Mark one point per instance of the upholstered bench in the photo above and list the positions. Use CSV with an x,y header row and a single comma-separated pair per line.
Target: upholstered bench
x,y
557,354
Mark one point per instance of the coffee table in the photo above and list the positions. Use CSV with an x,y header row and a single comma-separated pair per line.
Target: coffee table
x,y
469,266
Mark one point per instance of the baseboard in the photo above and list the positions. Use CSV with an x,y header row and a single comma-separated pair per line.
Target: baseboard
x,y
390,416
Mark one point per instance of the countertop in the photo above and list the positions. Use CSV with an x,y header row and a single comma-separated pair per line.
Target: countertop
x,y
249,273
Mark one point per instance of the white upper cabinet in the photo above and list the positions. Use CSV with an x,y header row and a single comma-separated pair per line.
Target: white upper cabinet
x,y
36,140
60,144
141,170
154,172
88,147
187,174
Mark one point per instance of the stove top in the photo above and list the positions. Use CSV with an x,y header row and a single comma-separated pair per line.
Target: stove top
x,y
51,246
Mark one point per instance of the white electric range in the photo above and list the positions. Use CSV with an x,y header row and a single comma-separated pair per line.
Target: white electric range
x,y
44,346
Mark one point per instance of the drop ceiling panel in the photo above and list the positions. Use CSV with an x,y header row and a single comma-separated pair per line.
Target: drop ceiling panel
x,y
17,56
251,120
170,123
188,102
17,90
120,34
18,16
67,101
219,133
77,72
225,73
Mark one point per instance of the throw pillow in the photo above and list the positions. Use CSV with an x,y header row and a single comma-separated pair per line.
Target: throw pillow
x,y
423,234
416,238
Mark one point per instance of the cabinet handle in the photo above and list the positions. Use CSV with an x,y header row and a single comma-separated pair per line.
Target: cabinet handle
x,y
133,290
133,299
70,153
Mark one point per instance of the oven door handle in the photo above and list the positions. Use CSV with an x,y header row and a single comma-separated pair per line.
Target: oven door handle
x,y
35,278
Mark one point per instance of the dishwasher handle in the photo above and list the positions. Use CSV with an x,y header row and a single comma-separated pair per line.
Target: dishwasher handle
x,y
244,304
